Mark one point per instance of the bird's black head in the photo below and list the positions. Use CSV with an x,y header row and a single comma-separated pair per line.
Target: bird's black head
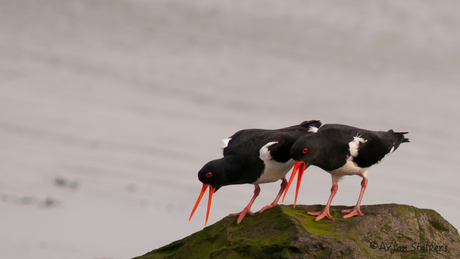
x,y
213,176
213,173
225,171
306,149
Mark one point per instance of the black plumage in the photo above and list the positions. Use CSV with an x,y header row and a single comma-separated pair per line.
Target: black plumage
x,y
343,150
254,156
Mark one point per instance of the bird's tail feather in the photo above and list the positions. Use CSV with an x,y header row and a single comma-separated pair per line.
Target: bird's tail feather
x,y
401,138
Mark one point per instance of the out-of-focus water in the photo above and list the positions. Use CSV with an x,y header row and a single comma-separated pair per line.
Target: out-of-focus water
x,y
108,109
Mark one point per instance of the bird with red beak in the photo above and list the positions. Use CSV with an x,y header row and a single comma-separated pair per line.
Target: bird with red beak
x,y
253,156
342,150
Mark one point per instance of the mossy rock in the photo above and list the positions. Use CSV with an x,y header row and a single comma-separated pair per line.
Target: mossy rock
x,y
386,231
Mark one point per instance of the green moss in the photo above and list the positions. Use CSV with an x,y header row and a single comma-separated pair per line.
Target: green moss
x,y
323,227
386,228
363,248
171,248
403,211
256,237
423,237
407,211
328,229
437,225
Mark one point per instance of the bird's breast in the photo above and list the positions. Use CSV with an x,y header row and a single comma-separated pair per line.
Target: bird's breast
x,y
274,171
350,168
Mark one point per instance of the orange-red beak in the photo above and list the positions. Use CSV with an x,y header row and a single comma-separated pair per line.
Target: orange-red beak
x,y
203,190
298,166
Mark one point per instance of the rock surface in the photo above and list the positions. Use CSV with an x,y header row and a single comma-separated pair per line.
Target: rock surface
x,y
386,231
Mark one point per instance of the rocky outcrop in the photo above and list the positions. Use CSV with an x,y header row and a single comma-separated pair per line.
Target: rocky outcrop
x,y
386,231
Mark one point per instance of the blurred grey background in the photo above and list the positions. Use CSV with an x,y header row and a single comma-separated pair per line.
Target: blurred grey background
x,y
108,109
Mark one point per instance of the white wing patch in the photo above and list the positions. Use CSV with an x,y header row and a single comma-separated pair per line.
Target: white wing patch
x,y
354,145
273,170
264,153
313,129
350,167
225,142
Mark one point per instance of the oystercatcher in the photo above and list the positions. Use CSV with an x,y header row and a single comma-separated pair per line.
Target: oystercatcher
x,y
253,156
342,150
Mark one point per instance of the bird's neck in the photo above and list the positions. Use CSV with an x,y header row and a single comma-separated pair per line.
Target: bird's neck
x,y
242,169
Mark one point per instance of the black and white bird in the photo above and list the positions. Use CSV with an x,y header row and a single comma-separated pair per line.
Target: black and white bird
x,y
253,156
342,150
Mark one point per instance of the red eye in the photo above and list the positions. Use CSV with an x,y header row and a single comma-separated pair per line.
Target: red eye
x,y
209,174
305,150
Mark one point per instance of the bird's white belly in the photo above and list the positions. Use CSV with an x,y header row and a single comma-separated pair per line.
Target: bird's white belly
x,y
274,171
350,168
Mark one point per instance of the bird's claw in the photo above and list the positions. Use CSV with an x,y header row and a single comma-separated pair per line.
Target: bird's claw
x,y
242,215
321,214
356,211
266,208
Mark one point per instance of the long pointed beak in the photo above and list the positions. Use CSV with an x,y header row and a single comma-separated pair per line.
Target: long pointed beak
x,y
203,190
294,172
298,166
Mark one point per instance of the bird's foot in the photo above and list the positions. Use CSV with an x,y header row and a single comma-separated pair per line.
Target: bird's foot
x,y
356,211
321,214
242,214
267,207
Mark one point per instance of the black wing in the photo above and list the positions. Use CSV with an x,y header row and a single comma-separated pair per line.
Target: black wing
x,y
250,141
378,145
